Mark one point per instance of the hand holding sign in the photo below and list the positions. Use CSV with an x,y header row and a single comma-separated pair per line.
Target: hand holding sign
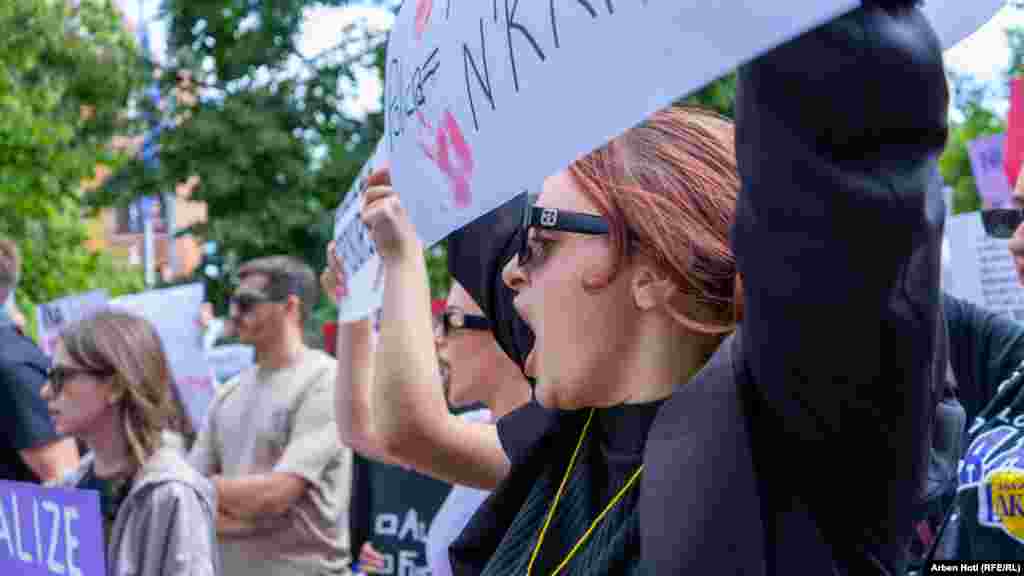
x,y
390,227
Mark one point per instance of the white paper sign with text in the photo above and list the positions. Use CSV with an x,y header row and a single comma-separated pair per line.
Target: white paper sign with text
x,y
982,268
174,312
355,249
485,99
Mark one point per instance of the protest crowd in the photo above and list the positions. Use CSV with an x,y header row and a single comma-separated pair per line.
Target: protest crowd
x,y
705,346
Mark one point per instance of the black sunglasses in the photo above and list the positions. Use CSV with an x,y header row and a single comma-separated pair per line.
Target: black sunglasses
x,y
1002,222
58,376
554,219
246,301
455,319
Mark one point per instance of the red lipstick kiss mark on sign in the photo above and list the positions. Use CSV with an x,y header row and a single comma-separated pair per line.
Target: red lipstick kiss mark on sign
x,y
452,155
423,10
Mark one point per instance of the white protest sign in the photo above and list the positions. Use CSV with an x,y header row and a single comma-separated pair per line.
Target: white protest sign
x,y
355,249
484,100
53,317
982,268
174,313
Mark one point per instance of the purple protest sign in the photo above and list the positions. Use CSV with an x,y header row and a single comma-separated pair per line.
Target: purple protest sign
x,y
50,531
986,154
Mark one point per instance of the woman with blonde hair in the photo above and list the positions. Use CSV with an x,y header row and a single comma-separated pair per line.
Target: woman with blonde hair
x,y
110,386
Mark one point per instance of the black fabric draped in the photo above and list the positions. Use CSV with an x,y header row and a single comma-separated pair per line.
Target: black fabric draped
x,y
802,447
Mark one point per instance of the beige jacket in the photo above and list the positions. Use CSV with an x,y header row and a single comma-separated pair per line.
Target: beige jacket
x,y
166,526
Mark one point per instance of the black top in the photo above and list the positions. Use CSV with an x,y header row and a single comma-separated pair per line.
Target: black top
x,y
611,453
984,348
24,420
802,447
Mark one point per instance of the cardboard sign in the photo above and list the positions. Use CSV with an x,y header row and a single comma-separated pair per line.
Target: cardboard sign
x,y
50,531
486,99
175,314
356,251
982,270
986,153
53,317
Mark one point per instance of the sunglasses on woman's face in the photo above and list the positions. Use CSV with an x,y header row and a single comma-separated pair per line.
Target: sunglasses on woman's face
x,y
455,319
58,376
1002,222
556,220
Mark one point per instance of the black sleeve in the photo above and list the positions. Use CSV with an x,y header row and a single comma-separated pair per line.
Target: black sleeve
x,y
837,236
26,421
985,347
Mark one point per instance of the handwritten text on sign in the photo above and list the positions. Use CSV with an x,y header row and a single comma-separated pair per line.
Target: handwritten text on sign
x,y
50,531
982,267
356,250
485,99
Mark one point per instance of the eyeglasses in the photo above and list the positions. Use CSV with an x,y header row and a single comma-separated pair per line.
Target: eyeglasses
x,y
554,219
455,319
246,301
58,376
1002,222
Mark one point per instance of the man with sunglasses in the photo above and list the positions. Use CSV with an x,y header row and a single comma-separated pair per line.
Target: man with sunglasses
x,y
270,444
30,448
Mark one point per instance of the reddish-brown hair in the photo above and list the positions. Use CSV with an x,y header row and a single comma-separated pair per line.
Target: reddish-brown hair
x,y
668,188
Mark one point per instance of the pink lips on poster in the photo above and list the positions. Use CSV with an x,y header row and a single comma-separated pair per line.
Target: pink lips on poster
x,y
423,10
452,155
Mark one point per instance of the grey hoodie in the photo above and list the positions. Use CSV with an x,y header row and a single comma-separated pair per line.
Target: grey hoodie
x,y
166,524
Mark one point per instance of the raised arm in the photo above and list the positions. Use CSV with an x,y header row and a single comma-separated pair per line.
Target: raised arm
x,y
354,381
410,414
837,238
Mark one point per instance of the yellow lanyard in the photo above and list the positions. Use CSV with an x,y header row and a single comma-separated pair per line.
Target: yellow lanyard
x,y
558,495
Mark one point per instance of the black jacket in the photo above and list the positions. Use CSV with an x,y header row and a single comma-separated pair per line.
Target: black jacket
x,y
24,419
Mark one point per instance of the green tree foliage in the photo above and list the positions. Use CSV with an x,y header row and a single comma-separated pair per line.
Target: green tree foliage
x,y
67,74
978,120
268,136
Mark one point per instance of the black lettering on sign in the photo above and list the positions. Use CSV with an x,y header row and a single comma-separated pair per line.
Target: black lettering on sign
x,y
397,119
420,76
510,25
554,19
484,82
610,6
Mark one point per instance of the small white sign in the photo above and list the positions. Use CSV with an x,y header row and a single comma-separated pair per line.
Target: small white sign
x,y
982,267
355,249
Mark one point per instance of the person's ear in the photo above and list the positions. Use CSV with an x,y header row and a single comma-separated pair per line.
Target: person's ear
x,y
650,288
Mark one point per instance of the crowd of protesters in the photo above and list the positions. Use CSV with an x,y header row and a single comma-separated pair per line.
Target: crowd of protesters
x,y
670,341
